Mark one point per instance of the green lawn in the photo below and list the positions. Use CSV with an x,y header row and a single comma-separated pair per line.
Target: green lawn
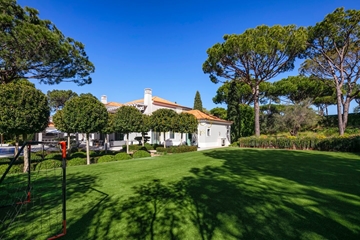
x,y
218,194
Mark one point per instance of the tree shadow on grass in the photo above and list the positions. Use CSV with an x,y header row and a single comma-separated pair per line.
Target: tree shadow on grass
x,y
251,196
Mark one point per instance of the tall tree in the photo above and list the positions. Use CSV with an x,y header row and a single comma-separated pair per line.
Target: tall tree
x,y
219,112
197,102
161,120
85,114
33,48
23,110
58,98
334,52
255,56
128,119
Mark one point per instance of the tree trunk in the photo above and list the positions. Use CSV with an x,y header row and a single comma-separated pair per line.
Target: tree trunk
x,y
26,155
257,111
181,139
68,141
127,143
164,140
345,114
143,139
106,143
87,149
16,150
339,112
1,139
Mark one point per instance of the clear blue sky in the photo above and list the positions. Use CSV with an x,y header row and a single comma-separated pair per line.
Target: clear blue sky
x,y
162,44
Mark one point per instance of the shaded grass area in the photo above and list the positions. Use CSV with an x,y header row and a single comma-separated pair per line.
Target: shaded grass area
x,y
227,193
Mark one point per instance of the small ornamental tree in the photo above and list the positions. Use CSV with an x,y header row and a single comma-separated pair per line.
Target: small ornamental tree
x,y
128,119
109,128
197,102
185,123
162,121
60,125
145,127
296,117
85,114
58,98
23,110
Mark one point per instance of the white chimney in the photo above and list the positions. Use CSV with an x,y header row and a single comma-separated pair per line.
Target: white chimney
x,y
148,100
104,99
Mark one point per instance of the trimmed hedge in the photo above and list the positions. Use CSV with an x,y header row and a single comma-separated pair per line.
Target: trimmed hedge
x,y
141,154
48,164
56,156
78,155
122,156
147,147
177,149
106,158
339,143
76,161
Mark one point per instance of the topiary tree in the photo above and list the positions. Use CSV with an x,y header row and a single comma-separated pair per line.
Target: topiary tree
x,y
185,123
109,128
23,110
85,114
145,127
162,120
197,102
128,119
60,125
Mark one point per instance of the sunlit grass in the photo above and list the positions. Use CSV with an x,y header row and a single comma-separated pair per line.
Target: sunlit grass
x,y
226,193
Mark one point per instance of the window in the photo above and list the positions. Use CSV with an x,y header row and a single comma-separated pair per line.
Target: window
x,y
119,136
172,135
208,132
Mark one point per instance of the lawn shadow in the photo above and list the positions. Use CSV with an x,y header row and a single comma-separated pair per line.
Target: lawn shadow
x,y
253,195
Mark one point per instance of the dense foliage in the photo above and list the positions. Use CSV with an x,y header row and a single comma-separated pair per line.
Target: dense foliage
x,y
37,49
197,102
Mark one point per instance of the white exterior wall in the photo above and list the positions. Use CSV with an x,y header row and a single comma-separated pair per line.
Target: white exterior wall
x,y
218,132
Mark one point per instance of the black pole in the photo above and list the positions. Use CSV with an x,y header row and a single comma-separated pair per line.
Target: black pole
x,y
28,149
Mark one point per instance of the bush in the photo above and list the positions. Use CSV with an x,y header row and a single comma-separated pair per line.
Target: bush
x,y
56,156
141,154
76,161
48,164
175,149
106,158
78,155
122,156
321,143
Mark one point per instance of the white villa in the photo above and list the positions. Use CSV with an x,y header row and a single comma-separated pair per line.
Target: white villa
x,y
212,131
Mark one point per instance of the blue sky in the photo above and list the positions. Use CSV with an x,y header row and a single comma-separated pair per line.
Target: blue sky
x,y
162,44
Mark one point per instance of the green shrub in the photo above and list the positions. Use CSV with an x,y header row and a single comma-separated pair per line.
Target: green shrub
x,y
78,155
234,144
3,168
321,143
76,161
48,164
122,156
141,154
177,149
106,158
56,156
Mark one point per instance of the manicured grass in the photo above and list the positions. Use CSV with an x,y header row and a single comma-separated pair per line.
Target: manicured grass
x,y
227,193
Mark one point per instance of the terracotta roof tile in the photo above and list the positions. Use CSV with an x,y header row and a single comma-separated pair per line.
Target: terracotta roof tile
x,y
204,116
114,104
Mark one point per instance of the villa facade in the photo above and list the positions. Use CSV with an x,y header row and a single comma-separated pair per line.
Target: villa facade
x,y
212,131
